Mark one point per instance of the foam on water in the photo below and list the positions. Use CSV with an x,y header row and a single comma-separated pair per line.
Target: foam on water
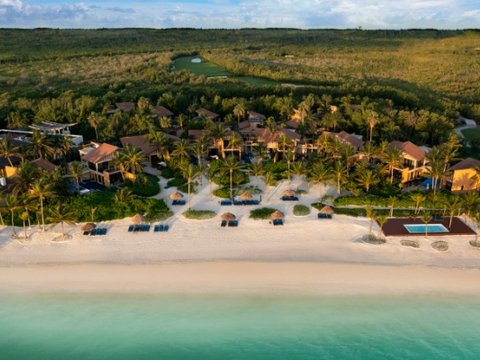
x,y
238,327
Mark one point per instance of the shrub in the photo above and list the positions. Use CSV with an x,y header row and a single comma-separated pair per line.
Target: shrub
x,y
145,185
360,211
262,213
199,214
301,210
223,192
175,182
167,173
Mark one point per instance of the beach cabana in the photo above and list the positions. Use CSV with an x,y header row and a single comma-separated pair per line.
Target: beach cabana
x,y
88,228
289,192
177,198
325,213
289,195
277,218
247,195
228,219
138,219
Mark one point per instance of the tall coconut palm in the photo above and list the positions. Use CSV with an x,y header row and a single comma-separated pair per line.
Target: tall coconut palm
x,y
61,213
24,216
299,170
370,216
218,133
161,143
392,158
381,219
76,170
230,165
40,145
256,169
323,143
181,149
94,121
392,200
471,203
8,150
367,178
130,159
436,166
372,121
12,203
452,208
235,144
426,218
319,174
418,198
190,173
340,174
239,111
41,189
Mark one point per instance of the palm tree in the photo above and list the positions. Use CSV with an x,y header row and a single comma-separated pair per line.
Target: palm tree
x,y
218,133
298,169
256,169
340,174
289,159
212,171
230,165
391,203
123,195
239,111
41,189
181,149
8,150
426,218
381,219
61,213
190,173
94,121
471,203
130,159
436,166
452,209
161,143
372,122
76,170
418,198
269,180
24,216
12,203
392,158
323,143
476,177
235,144
39,145
367,178
319,174
371,216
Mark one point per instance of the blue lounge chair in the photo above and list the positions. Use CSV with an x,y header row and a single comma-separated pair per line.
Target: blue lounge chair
x,y
158,228
277,222
324,216
226,203
233,223
238,202
178,202
166,228
130,228
223,223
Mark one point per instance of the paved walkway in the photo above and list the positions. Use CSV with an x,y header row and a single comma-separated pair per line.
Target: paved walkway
x,y
469,124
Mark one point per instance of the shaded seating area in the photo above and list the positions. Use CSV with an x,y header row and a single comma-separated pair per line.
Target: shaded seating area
x,y
177,199
161,228
289,195
325,213
277,218
229,219
99,231
139,224
88,228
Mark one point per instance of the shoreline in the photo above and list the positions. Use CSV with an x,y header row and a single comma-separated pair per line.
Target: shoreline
x,y
234,277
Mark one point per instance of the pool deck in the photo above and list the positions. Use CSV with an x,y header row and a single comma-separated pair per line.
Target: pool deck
x,y
394,227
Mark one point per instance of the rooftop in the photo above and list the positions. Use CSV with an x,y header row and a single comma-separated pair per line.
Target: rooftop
x,y
104,152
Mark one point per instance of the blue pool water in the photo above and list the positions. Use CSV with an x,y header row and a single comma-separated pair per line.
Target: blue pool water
x,y
238,327
420,229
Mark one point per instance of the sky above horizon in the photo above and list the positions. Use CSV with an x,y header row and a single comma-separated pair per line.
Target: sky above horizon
x,y
368,14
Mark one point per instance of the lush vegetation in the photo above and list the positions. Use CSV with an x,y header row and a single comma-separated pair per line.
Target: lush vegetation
x,y
301,210
262,213
145,185
199,214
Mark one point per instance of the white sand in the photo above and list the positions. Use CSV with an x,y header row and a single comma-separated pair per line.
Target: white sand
x,y
305,254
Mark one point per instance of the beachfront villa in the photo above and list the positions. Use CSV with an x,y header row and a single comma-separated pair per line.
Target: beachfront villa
x,y
98,159
413,164
461,176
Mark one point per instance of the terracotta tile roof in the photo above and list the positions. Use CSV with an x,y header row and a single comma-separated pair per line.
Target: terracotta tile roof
x,y
140,142
207,113
196,134
264,135
293,123
468,163
104,152
125,106
409,148
162,111
43,164
346,138
254,116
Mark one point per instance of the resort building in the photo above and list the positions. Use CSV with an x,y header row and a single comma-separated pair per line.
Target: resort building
x,y
141,142
355,141
204,113
98,159
462,176
43,165
49,128
161,111
413,164
254,117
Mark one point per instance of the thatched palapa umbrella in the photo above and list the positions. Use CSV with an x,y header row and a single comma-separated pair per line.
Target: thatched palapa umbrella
x,y
277,215
228,216
326,210
88,227
176,195
138,219
245,196
289,192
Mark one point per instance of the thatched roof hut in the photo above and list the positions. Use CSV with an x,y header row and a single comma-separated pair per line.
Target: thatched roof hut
x,y
326,210
88,227
176,195
138,219
247,195
228,216
277,215
289,192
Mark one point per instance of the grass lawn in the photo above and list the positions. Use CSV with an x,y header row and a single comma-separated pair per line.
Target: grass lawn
x,y
472,134
203,68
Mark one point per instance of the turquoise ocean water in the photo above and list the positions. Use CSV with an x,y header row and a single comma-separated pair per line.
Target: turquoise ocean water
x,y
238,327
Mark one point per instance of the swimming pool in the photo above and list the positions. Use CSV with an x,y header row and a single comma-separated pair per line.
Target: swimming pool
x,y
422,228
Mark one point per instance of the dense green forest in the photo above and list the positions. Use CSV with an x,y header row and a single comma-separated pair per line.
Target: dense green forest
x,y
64,75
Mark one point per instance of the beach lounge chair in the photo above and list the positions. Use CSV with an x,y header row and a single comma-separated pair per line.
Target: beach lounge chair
x,y
144,228
238,202
223,223
100,231
277,222
324,216
178,202
130,228
166,228
233,223
158,228
226,203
